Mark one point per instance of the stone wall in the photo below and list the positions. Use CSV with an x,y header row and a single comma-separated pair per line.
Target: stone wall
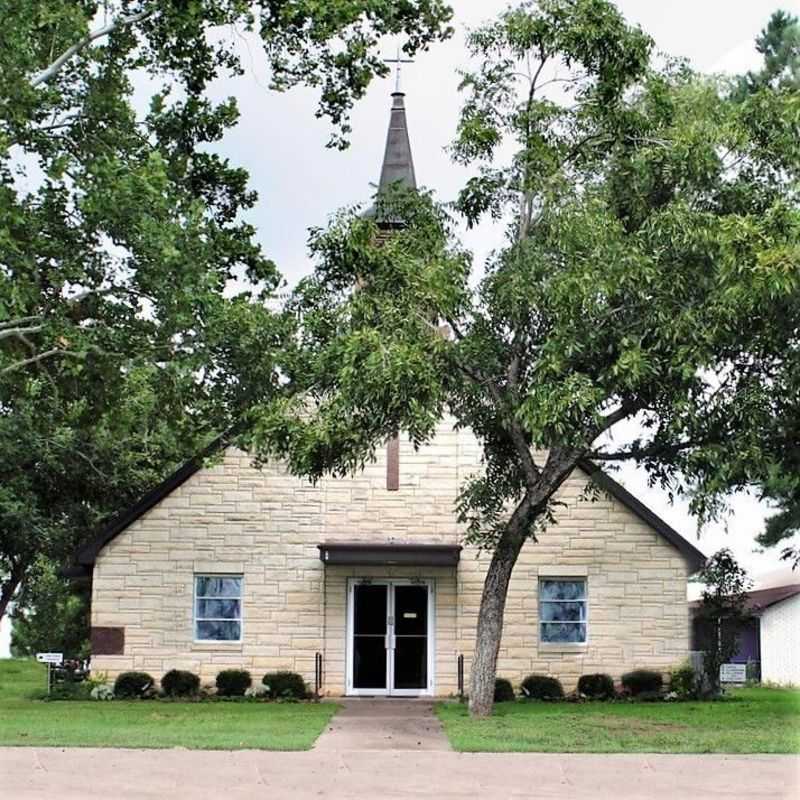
x,y
265,525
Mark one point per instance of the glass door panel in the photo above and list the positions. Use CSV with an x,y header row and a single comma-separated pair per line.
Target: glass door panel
x,y
410,658
370,617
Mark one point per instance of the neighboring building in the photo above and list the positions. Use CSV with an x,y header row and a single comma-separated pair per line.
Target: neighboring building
x,y
230,566
770,638
780,639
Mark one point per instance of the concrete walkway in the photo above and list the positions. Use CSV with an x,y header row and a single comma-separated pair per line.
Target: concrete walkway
x,y
88,774
391,724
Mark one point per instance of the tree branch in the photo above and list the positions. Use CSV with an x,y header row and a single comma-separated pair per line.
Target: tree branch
x,y
645,452
613,417
118,22
7,332
33,360
19,322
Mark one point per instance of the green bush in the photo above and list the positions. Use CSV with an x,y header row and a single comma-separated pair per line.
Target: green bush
x,y
233,682
180,683
132,684
643,681
597,685
68,690
542,687
285,684
503,691
683,681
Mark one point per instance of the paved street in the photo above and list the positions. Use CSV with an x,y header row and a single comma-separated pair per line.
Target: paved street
x,y
90,774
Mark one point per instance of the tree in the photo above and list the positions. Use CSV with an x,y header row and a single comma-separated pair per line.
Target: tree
x,y
50,615
133,298
784,525
649,277
722,609
779,43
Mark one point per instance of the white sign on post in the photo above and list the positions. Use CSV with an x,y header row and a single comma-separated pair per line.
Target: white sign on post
x,y
49,658
733,673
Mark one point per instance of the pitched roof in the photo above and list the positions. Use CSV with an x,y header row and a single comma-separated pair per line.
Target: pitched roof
x,y
86,555
761,599
694,557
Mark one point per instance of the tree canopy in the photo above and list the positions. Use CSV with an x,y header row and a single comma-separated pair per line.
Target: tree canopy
x,y
135,315
649,282
779,44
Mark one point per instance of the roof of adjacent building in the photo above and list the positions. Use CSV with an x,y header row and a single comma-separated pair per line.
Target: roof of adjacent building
x,y
761,599
85,557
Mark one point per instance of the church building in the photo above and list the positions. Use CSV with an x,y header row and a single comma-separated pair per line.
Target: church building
x,y
364,584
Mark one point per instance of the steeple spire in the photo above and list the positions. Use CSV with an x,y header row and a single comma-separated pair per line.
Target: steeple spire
x,y
397,162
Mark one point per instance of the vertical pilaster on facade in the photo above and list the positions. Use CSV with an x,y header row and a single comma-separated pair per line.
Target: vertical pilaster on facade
x,y
393,464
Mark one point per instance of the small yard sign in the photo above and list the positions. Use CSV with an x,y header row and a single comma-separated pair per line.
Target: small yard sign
x,y
49,658
733,673
52,660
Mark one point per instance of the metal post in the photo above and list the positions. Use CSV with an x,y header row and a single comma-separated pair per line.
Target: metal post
x,y
461,677
317,675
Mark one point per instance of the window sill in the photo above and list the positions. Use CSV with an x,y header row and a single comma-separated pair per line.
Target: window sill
x,y
206,646
563,647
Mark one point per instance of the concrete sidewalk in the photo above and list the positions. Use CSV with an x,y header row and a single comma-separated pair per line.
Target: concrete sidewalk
x,y
92,774
391,724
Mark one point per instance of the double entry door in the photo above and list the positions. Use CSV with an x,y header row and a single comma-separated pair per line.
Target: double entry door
x,y
389,647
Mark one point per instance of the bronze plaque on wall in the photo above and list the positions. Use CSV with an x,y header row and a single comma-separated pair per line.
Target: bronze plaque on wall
x,y
108,641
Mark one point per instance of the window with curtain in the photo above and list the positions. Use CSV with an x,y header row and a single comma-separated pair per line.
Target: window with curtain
x,y
562,610
218,608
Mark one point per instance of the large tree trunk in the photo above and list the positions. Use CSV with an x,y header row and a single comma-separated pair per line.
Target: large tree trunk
x,y
490,624
560,463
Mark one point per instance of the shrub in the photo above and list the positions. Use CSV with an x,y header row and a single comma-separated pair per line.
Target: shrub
x,y
233,682
102,692
598,686
180,683
285,684
68,691
542,687
503,691
132,684
683,681
642,681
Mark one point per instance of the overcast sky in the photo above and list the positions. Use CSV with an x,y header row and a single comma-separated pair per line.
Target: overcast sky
x,y
300,182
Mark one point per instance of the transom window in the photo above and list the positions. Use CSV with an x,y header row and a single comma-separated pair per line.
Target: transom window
x,y
562,610
217,608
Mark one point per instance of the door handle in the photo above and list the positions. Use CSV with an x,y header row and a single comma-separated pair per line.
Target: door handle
x,y
389,641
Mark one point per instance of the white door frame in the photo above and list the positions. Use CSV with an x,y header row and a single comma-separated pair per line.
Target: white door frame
x,y
390,583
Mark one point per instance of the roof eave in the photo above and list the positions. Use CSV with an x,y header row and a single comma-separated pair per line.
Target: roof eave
x,y
694,558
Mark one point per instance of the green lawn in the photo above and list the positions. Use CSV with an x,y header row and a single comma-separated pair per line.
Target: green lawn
x,y
756,720
149,723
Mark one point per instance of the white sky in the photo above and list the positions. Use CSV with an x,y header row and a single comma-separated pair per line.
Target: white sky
x,y
300,182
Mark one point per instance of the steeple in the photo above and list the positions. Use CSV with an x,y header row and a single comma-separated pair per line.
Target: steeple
x,y
397,162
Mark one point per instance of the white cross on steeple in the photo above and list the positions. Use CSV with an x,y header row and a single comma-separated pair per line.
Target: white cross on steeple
x,y
397,60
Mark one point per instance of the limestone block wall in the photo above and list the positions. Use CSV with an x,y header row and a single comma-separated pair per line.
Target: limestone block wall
x,y
265,525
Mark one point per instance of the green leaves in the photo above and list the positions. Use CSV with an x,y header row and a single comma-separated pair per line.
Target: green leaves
x,y
133,295
650,274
